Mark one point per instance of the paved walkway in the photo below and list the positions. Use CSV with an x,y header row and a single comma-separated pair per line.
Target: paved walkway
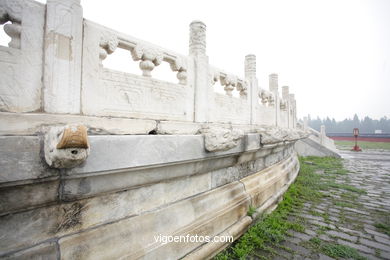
x,y
348,218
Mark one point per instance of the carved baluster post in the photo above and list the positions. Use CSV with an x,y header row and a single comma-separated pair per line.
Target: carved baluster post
x,y
274,88
63,44
200,70
250,76
285,96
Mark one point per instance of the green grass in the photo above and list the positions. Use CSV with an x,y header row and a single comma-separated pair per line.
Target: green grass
x,y
347,145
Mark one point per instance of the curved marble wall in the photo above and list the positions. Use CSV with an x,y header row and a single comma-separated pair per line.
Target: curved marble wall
x,y
131,189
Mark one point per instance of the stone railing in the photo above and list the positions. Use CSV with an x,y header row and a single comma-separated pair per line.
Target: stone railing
x,y
96,162
76,82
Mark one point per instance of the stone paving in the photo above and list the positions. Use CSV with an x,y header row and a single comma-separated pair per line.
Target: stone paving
x,y
347,218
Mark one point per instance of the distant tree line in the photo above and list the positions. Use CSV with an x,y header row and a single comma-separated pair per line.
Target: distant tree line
x,y
366,125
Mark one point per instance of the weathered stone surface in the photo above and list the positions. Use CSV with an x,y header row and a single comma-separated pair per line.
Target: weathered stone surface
x,y
220,139
273,158
316,144
124,152
252,142
31,124
177,128
228,109
262,185
25,229
41,252
272,135
21,197
308,147
207,214
101,183
20,159
227,175
262,153
43,223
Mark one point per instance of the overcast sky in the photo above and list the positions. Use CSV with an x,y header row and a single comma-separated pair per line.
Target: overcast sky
x,y
334,54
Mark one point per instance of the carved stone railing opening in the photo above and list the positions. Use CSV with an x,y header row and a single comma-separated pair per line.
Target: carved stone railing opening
x,y
228,84
121,60
147,55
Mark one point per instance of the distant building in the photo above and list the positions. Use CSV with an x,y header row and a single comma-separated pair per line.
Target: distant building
x,y
377,131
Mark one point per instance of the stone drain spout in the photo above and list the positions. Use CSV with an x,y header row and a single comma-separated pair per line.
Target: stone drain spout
x,y
66,146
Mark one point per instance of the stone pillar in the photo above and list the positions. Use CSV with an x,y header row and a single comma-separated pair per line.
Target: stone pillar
x,y
285,96
322,135
62,65
273,87
250,75
201,69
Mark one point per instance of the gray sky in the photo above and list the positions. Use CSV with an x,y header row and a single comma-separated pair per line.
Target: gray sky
x,y
334,54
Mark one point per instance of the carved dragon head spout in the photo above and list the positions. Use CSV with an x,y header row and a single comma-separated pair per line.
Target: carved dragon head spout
x,y
66,146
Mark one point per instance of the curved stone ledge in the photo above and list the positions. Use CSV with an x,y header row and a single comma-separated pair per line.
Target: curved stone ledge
x,y
126,221
122,167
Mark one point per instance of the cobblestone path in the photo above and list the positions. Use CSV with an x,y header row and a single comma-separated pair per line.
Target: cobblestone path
x,y
357,220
